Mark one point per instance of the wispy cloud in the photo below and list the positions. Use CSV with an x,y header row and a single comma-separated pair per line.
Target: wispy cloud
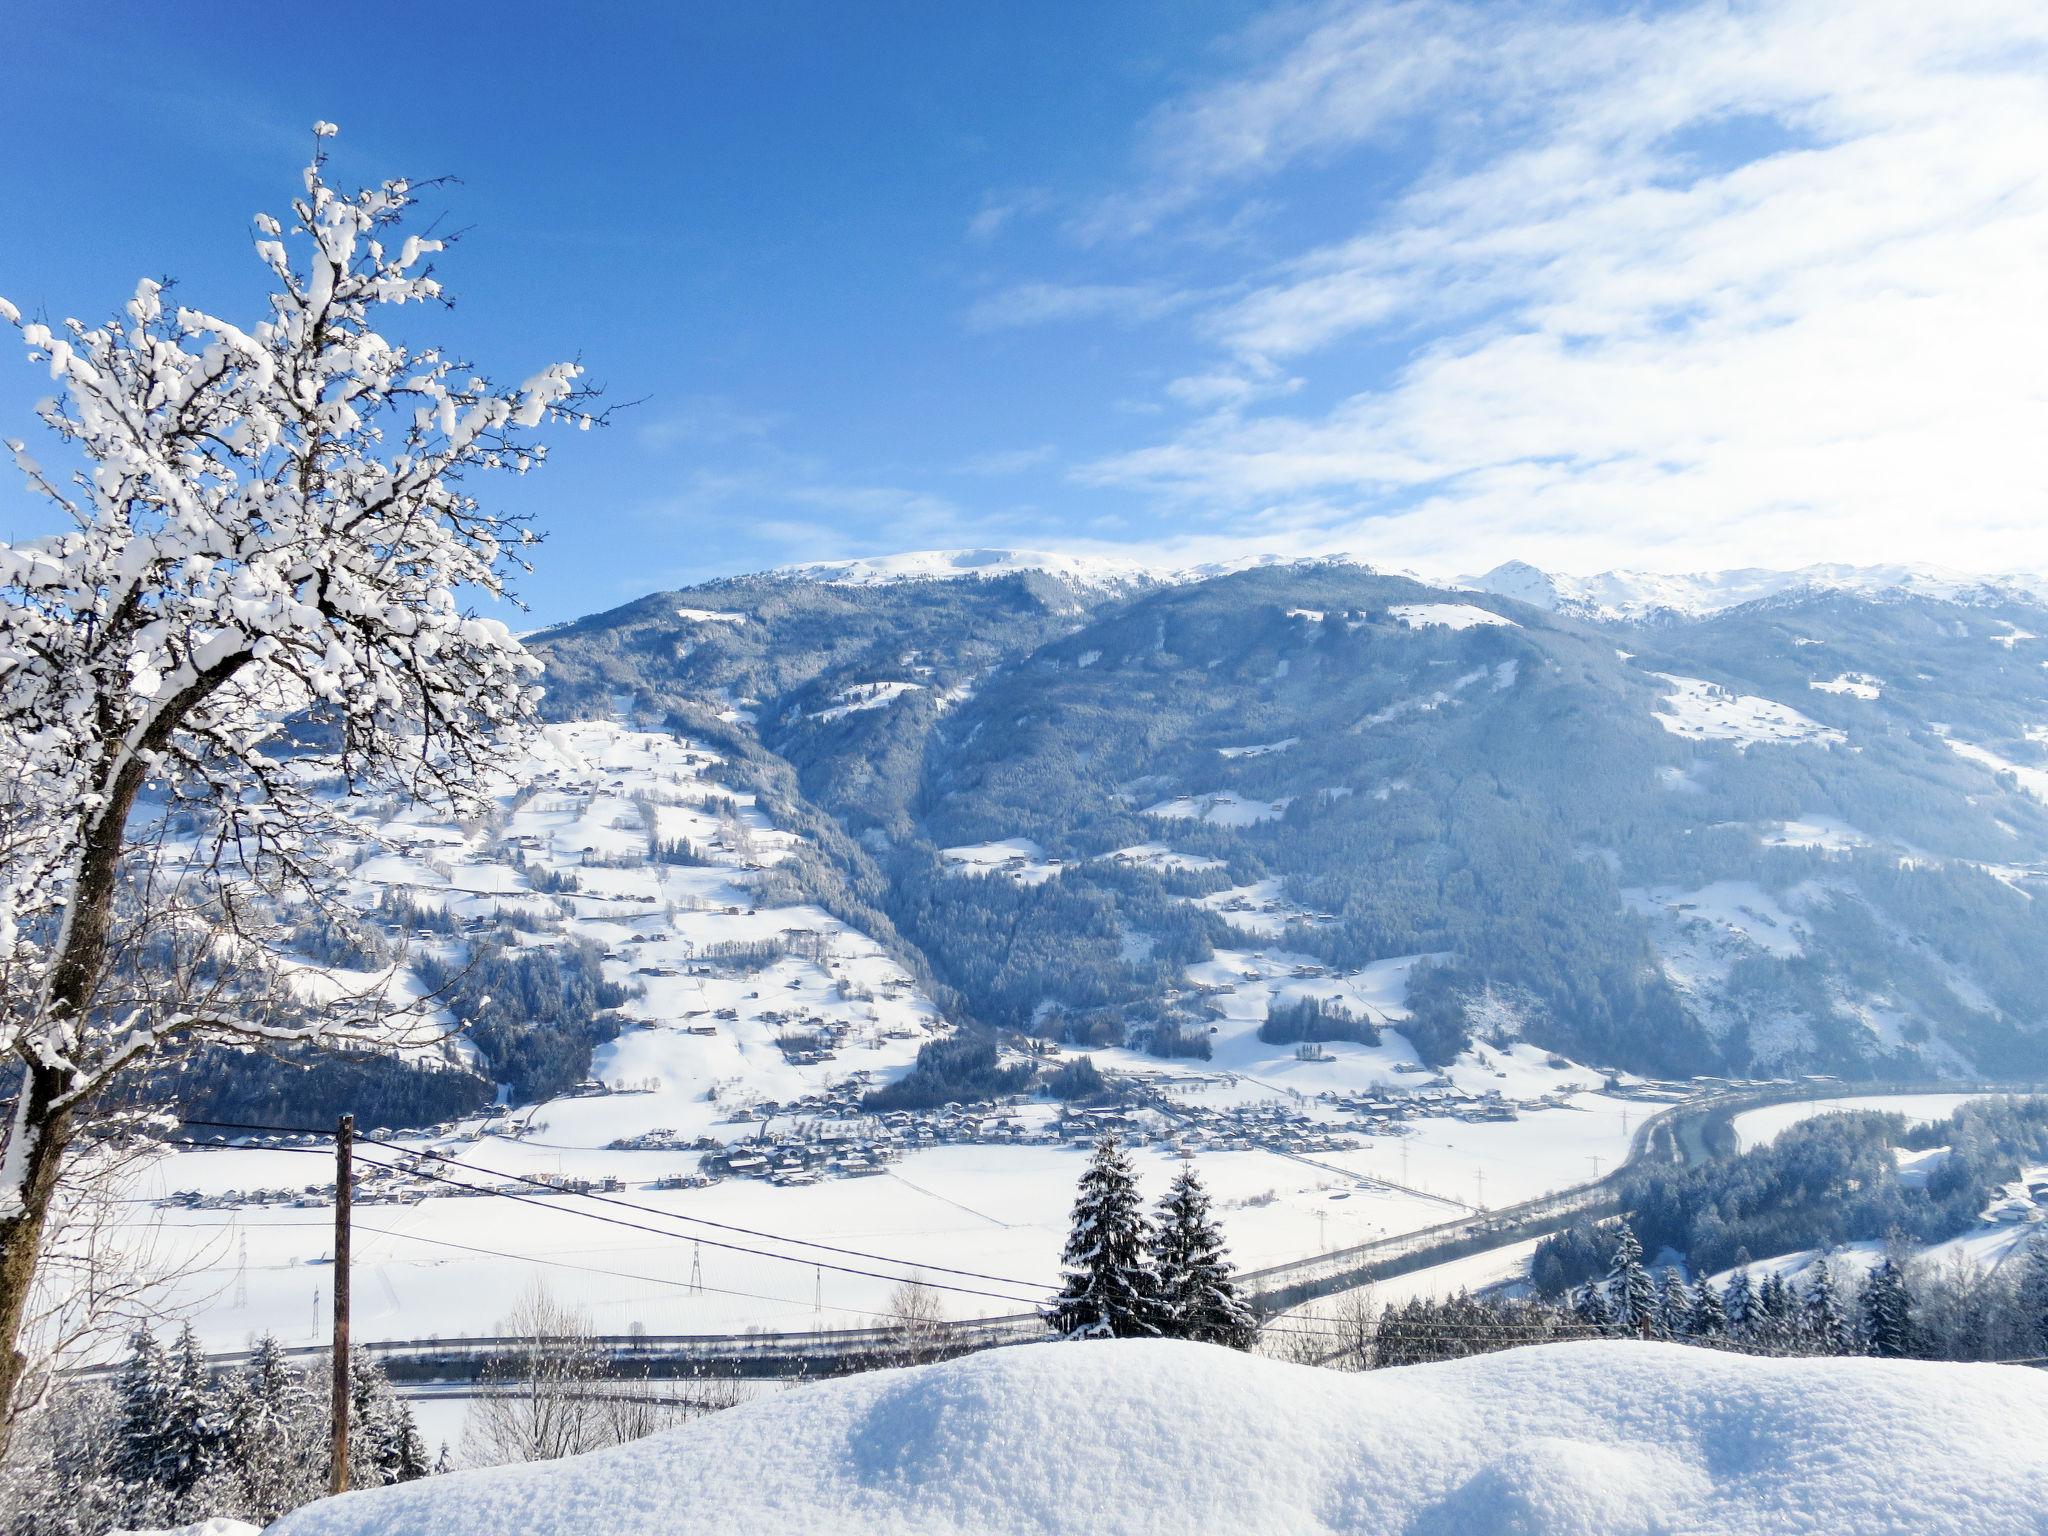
x,y
1046,303
1753,282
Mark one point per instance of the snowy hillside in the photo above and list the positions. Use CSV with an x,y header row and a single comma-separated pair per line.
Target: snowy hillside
x,y
1568,1440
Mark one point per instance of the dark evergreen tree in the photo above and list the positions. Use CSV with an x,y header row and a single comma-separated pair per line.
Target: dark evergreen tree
x,y
276,1434
2033,1295
1709,1318
1590,1309
1887,1312
1828,1328
1674,1306
144,1391
191,1433
1630,1293
1738,1305
1110,1292
1191,1269
1777,1315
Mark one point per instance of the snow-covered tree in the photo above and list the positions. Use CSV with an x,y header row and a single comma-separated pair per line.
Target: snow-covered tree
x,y
266,519
2031,1295
277,1435
1630,1294
1827,1325
1110,1291
143,1390
1887,1312
1775,1325
192,1432
1709,1319
1591,1308
1196,1287
1674,1305
1738,1305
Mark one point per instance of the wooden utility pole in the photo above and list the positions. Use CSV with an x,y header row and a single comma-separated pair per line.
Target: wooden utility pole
x,y
344,1146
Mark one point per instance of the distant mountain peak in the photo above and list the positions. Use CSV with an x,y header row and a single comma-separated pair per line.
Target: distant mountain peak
x,y
1631,595
1096,572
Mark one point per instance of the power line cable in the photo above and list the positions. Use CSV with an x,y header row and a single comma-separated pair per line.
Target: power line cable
x,y
645,1210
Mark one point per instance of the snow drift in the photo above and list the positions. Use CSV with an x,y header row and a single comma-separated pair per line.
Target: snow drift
x,y
1607,1437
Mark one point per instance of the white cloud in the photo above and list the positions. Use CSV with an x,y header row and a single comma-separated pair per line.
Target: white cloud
x,y
1726,284
1045,303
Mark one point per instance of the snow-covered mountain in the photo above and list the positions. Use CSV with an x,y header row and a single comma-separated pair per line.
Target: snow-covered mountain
x,y
1629,596
1625,596
1075,798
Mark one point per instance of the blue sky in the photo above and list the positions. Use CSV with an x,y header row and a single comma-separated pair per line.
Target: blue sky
x,y
1664,286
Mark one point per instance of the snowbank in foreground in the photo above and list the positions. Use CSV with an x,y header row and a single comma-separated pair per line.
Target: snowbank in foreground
x,y
1607,1438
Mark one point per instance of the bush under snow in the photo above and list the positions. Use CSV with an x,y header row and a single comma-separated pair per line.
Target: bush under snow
x,y
1608,1437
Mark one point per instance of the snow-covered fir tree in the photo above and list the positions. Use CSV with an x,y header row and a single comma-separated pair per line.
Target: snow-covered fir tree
x,y
2032,1292
277,1431
1775,1325
1674,1305
1630,1292
1709,1317
1192,1272
1738,1305
1110,1291
1590,1308
1828,1327
192,1432
144,1392
1887,1312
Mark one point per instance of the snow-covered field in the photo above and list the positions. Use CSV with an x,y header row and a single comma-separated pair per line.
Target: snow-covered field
x,y
1564,1440
1704,711
1758,1127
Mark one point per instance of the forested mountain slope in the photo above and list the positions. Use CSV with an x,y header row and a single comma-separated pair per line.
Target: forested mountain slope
x,y
1802,833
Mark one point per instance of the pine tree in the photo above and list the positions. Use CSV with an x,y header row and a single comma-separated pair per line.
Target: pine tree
x,y
1109,1292
1709,1319
1828,1328
1631,1295
1738,1305
409,1451
190,1432
1590,1308
1773,1323
144,1390
1191,1269
276,1435
2033,1295
1887,1312
1674,1306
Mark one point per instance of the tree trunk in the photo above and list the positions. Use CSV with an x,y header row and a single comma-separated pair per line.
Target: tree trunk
x,y
21,1236
53,1095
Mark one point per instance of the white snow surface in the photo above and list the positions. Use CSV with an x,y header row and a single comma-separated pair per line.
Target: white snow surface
x,y
2033,781
1606,1437
1705,711
1015,858
1855,685
1225,809
1448,616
